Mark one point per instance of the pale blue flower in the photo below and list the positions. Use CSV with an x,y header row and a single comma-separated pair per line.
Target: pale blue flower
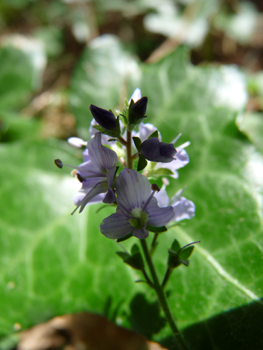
x,y
96,174
183,208
136,95
137,208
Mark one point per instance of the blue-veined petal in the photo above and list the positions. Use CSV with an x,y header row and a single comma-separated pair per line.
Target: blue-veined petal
x,y
136,95
183,209
78,197
100,187
133,189
159,216
116,226
101,156
141,233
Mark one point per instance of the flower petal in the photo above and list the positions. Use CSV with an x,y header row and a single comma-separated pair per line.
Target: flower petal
x,y
97,189
116,226
78,197
183,209
104,118
141,233
110,197
159,216
136,95
133,189
101,156
154,150
162,198
76,142
145,130
181,159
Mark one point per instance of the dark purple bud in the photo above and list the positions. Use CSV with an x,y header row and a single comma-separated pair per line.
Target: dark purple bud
x,y
104,118
156,151
139,107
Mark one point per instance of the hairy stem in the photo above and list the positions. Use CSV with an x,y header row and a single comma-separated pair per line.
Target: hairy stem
x,y
161,296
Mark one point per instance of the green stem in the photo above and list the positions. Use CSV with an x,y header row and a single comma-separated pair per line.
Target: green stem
x,y
149,282
154,242
166,277
129,150
161,296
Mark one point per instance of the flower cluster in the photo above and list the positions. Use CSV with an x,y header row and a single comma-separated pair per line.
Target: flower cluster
x,y
119,145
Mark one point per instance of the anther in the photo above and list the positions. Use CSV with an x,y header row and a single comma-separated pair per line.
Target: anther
x,y
155,188
58,163
80,178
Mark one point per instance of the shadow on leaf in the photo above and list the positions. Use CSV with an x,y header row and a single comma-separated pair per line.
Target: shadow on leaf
x,y
145,316
240,328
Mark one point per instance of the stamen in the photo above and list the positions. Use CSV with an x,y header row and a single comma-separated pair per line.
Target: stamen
x,y
80,178
178,194
58,163
155,188
148,201
177,138
77,142
186,144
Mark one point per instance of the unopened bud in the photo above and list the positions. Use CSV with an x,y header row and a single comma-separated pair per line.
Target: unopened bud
x,y
104,118
156,151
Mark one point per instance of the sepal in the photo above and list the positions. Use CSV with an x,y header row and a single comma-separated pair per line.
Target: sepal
x,y
134,259
142,163
154,134
137,111
178,256
137,142
114,132
156,229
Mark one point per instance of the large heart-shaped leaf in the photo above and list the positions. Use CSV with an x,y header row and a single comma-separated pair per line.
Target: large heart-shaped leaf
x,y
54,263
22,64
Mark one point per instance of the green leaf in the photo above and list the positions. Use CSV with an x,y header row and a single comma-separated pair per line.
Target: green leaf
x,y
252,125
223,180
22,64
56,263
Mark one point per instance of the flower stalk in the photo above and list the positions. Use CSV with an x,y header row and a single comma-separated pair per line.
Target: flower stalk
x,y
141,207
161,296
159,289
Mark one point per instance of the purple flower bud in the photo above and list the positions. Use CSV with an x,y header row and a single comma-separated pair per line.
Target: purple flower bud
x,y
156,151
104,118
139,107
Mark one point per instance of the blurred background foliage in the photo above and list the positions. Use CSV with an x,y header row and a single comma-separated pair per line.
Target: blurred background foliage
x,y
56,59
42,41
